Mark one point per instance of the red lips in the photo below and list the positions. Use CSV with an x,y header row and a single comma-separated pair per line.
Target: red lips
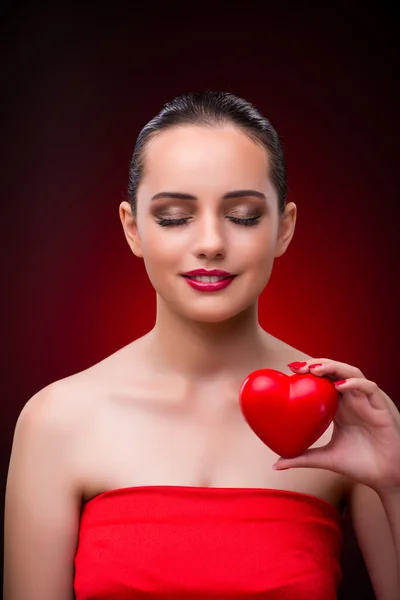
x,y
288,413
216,272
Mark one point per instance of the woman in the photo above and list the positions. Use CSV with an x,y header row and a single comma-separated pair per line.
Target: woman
x,y
139,477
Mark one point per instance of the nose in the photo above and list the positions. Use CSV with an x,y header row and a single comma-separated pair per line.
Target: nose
x,y
209,237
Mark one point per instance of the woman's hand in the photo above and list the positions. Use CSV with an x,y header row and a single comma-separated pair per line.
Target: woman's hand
x,y
365,444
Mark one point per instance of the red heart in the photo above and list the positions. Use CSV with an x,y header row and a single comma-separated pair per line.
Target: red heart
x,y
288,413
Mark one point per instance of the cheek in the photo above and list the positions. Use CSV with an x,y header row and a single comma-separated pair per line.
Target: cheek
x,y
163,251
157,242
255,248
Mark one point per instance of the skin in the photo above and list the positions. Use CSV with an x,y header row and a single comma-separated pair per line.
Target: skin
x,y
206,344
164,409
207,163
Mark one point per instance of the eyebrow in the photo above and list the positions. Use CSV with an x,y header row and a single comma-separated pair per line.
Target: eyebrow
x,y
235,194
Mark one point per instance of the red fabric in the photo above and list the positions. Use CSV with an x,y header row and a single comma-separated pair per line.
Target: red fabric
x,y
181,542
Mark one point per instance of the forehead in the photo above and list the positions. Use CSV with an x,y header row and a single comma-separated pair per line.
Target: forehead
x,y
197,156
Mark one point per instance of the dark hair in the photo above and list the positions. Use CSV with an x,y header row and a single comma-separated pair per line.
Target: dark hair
x,y
212,109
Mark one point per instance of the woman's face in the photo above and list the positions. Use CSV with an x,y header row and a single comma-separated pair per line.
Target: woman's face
x,y
207,164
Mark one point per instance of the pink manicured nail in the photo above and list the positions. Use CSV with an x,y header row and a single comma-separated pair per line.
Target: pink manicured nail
x,y
315,365
297,365
340,382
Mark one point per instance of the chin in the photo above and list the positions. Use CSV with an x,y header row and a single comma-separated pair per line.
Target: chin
x,y
214,315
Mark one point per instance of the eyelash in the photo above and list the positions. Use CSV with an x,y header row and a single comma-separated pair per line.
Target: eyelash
x,y
247,222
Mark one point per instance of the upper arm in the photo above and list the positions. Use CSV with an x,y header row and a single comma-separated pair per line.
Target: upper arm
x,y
42,503
375,540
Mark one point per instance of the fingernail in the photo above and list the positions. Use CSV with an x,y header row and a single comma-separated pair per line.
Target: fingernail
x,y
297,364
315,365
340,382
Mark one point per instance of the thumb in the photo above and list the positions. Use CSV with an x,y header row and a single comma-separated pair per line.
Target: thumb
x,y
317,458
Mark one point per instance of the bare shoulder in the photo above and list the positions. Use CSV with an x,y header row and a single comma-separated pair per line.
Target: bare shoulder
x,y
60,405
64,408
67,400
44,491
285,353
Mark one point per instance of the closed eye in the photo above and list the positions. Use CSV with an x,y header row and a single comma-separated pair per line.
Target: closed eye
x,y
249,221
239,221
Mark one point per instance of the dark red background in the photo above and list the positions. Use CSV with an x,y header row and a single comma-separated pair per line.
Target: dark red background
x,y
78,87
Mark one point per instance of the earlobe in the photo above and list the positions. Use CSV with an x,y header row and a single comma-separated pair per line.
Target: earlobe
x,y
130,228
286,229
281,248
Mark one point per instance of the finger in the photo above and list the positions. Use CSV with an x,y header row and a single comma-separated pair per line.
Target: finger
x,y
375,396
316,458
326,367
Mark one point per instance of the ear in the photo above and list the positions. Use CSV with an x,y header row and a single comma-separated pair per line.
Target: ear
x,y
130,227
287,223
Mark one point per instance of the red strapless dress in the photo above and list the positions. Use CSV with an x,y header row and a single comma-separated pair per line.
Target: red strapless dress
x,y
181,542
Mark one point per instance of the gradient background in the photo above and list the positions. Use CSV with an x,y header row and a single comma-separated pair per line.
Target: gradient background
x,y
78,87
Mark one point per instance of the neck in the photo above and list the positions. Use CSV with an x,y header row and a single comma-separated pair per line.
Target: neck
x,y
203,351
